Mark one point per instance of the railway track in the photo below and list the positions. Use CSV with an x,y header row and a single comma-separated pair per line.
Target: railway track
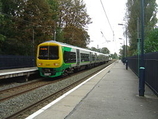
x,y
42,86
36,106
15,91
21,89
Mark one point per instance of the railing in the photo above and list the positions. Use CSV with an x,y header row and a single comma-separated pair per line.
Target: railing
x,y
151,69
11,61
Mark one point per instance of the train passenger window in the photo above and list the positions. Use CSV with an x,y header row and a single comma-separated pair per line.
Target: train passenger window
x,y
48,52
93,57
69,57
85,57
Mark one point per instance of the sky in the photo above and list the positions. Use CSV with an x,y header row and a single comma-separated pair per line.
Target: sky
x,y
101,33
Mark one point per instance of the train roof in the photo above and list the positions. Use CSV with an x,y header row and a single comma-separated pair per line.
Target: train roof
x,y
71,46
63,44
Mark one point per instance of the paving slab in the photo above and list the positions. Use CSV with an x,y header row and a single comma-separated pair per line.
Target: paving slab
x,y
116,97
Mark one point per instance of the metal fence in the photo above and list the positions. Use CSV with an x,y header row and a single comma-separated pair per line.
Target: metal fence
x,y
11,61
151,69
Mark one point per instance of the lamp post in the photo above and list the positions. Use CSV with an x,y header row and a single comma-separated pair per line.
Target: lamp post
x,y
142,66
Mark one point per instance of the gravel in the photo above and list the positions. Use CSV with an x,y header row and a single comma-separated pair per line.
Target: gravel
x,y
14,105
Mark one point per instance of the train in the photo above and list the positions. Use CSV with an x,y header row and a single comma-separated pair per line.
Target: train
x,y
56,59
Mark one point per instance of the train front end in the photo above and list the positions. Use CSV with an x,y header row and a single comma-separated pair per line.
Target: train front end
x,y
49,59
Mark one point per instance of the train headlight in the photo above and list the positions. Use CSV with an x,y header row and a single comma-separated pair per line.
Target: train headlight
x,y
56,64
40,64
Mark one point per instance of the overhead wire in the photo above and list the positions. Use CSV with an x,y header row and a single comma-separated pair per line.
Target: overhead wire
x,y
104,36
107,18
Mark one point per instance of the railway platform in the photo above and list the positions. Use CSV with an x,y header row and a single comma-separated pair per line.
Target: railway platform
x,y
110,94
10,73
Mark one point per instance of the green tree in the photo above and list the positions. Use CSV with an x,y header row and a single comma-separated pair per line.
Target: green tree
x,y
102,50
133,13
38,16
72,20
122,52
151,42
27,23
95,49
7,30
76,36
2,21
105,50
114,56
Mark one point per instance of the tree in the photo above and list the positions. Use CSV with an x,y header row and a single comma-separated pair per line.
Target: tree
x,y
151,42
114,56
122,52
76,36
102,50
72,20
105,50
7,30
2,21
94,49
133,13
27,23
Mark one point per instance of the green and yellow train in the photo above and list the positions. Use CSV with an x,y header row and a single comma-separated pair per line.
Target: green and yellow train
x,y
56,58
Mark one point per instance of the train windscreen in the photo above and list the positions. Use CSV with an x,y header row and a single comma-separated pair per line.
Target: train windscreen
x,y
49,52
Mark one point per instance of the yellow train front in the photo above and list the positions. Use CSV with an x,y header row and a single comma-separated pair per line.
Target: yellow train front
x,y
56,58
49,59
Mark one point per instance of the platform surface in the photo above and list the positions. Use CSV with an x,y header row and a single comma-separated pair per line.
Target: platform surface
x,y
17,70
111,94
10,73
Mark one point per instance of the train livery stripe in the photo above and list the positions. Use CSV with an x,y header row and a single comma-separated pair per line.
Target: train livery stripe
x,y
55,58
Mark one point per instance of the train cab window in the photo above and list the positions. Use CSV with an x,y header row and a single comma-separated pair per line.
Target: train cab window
x,y
69,57
49,52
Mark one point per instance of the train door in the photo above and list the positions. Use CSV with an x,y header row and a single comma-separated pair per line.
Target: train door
x,y
78,57
90,57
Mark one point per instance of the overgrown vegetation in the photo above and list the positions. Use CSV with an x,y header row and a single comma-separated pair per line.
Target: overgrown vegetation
x,y
26,23
151,33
